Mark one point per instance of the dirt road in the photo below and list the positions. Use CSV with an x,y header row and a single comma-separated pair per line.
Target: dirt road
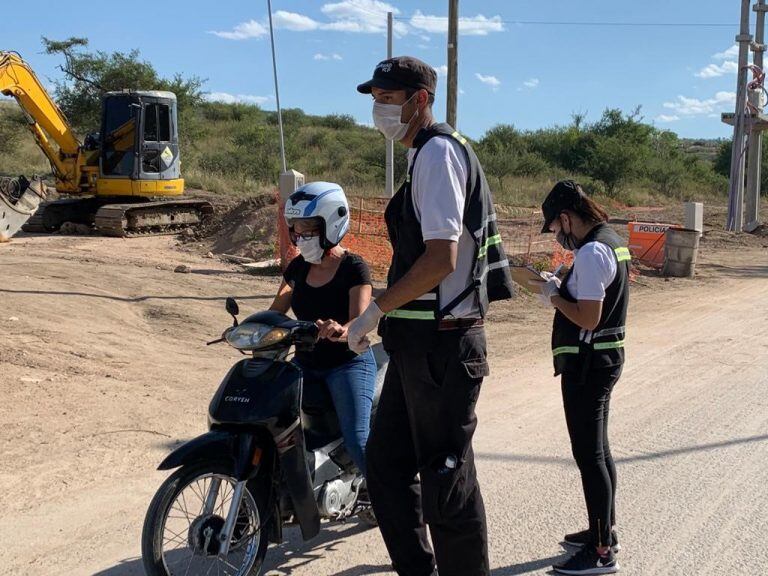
x,y
103,370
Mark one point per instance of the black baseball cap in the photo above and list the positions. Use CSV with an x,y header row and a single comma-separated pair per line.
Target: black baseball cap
x,y
401,73
565,195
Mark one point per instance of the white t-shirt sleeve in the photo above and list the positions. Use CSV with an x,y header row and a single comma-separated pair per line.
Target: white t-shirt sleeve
x,y
439,189
594,268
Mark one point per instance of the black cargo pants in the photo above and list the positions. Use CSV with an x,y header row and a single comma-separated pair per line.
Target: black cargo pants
x,y
425,418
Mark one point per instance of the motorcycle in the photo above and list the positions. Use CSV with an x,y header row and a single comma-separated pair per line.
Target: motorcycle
x,y
264,463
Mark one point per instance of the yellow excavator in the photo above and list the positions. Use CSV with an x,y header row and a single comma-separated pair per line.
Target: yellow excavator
x,y
125,180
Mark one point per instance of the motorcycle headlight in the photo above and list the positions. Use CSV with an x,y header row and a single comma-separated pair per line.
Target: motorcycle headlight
x,y
255,336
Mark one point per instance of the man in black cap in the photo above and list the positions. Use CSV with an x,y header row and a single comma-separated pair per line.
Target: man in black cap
x,y
447,265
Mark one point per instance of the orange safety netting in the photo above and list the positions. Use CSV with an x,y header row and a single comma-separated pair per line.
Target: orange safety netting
x,y
368,237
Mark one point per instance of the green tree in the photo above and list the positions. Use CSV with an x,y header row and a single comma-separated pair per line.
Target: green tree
x,y
11,127
90,74
722,163
667,167
621,147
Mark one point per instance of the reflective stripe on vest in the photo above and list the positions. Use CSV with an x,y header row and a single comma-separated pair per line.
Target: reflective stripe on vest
x,y
596,346
608,345
479,232
609,332
459,137
565,350
492,241
411,314
622,254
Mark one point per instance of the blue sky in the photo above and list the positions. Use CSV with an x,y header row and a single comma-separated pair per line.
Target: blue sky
x,y
529,75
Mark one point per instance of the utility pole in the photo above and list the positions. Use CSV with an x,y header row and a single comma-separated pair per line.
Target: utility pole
x,y
289,180
453,60
752,198
740,120
389,169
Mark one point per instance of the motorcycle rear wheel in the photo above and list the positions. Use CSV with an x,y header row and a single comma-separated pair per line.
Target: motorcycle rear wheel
x,y
179,538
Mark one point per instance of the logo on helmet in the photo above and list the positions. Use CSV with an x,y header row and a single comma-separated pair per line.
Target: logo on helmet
x,y
293,212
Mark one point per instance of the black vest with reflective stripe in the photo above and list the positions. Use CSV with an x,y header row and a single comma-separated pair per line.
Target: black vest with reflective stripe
x,y
575,349
414,325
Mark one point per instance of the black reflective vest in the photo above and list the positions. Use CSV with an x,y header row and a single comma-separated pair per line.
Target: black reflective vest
x,y
414,325
578,350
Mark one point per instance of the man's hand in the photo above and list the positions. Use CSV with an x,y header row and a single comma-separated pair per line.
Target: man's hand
x,y
357,333
549,289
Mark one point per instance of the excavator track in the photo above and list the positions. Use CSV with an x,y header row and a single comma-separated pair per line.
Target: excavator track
x,y
151,218
121,220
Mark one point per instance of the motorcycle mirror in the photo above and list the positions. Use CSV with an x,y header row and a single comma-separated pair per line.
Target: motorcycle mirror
x,y
232,308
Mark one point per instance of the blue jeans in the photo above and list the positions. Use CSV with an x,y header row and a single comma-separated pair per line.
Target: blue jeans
x,y
351,387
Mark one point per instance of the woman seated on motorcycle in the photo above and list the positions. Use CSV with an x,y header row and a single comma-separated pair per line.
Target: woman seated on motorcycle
x,y
331,287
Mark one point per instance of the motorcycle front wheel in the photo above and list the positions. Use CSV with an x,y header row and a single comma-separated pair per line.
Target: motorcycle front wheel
x,y
187,515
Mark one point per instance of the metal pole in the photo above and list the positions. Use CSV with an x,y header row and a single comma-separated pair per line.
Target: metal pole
x,y
752,201
277,90
736,193
453,60
390,145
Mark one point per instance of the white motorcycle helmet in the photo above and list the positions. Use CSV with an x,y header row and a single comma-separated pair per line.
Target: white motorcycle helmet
x,y
325,201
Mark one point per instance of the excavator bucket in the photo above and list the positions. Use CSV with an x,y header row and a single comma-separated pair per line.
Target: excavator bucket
x,y
19,200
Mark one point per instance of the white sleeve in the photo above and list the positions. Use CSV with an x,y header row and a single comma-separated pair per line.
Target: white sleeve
x,y
439,188
595,268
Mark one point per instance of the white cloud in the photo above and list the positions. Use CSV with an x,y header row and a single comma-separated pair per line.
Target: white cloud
x,y
491,81
333,56
442,70
359,16
667,118
532,83
244,30
362,16
732,52
227,98
473,26
685,106
715,70
293,21
728,66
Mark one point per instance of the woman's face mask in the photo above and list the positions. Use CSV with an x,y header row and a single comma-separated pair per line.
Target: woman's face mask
x,y
566,239
387,118
311,249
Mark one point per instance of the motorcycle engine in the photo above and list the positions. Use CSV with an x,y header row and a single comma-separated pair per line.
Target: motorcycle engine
x,y
337,497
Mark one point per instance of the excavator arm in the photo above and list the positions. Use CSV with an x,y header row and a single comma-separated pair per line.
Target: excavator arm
x,y
50,128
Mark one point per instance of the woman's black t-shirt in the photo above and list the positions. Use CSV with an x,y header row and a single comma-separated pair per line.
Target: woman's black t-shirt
x,y
327,302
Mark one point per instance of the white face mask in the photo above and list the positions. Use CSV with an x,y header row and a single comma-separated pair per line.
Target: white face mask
x,y
311,249
386,117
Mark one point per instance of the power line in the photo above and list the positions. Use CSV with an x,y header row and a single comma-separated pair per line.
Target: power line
x,y
574,23
560,23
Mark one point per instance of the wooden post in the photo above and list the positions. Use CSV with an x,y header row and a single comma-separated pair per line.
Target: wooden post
x,y
453,61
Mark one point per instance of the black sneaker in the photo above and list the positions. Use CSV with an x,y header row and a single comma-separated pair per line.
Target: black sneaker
x,y
579,539
588,561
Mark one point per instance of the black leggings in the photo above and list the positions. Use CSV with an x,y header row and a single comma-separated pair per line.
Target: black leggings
x,y
586,399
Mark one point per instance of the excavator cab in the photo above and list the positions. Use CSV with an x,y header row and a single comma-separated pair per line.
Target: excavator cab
x,y
139,143
117,182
